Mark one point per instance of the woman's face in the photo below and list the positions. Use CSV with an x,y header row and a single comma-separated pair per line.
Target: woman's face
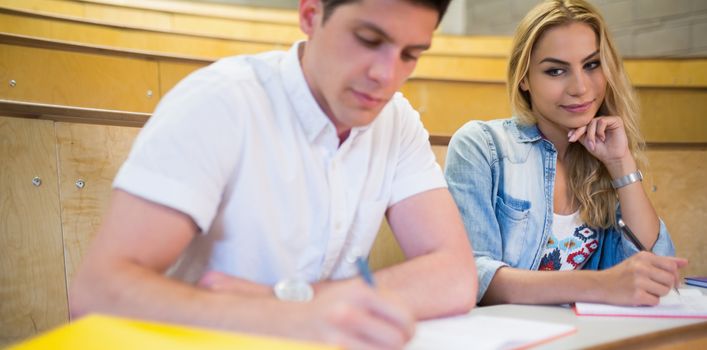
x,y
565,79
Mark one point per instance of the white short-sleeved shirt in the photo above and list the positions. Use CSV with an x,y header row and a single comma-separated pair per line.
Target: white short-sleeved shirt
x,y
243,148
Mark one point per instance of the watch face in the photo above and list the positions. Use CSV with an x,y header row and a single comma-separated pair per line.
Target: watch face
x,y
294,290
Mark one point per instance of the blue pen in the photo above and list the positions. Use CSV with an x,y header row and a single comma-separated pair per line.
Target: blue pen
x,y
364,271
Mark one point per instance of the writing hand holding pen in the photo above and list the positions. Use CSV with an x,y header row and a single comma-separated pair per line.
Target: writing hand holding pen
x,y
632,237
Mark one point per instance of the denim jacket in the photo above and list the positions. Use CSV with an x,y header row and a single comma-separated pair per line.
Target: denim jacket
x,y
501,175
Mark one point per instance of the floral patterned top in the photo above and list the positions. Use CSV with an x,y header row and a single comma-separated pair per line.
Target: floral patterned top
x,y
570,245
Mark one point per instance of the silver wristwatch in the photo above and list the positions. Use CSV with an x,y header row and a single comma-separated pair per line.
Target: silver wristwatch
x,y
293,289
627,179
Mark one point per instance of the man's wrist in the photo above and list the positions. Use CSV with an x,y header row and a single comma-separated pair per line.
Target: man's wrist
x,y
293,289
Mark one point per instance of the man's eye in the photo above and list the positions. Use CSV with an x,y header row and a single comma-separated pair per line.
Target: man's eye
x,y
368,42
409,57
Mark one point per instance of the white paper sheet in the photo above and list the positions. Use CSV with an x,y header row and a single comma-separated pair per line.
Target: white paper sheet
x,y
484,332
690,303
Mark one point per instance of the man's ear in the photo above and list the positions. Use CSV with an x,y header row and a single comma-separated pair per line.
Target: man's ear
x,y
309,13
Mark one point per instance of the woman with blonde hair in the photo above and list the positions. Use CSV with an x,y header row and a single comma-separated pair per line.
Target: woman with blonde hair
x,y
542,193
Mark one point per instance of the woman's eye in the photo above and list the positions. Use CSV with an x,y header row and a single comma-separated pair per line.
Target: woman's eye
x,y
592,65
553,72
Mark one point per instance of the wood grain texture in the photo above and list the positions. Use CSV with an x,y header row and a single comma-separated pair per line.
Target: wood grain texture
x,y
237,30
681,338
206,9
120,37
92,153
32,284
673,115
386,251
171,72
138,18
445,106
78,79
57,7
677,186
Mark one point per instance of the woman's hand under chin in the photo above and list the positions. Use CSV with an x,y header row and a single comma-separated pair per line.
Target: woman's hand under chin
x,y
605,138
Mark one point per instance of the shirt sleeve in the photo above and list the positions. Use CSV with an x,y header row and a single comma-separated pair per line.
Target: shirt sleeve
x,y
469,173
417,169
186,152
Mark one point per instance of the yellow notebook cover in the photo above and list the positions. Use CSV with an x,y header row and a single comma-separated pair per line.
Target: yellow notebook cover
x,y
108,333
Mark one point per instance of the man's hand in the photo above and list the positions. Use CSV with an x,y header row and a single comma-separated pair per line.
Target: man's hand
x,y
355,316
347,313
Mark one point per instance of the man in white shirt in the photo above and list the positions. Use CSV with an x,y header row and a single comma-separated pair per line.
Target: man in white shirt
x,y
275,170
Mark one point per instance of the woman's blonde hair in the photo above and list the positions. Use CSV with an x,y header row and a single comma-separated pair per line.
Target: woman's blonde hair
x,y
589,180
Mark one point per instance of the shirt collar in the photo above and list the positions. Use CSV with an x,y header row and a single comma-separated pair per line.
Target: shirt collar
x,y
307,110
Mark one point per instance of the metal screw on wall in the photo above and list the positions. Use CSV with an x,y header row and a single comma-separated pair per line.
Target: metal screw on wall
x,y
149,93
80,184
13,83
37,181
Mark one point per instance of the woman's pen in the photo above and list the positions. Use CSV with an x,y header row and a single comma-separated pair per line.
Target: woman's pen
x,y
632,237
364,271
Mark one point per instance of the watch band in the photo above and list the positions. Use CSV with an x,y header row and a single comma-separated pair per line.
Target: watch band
x,y
627,179
294,289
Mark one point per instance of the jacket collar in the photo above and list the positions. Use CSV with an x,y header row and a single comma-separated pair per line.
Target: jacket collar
x,y
523,133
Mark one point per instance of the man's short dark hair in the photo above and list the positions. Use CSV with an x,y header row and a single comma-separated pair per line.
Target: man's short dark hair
x,y
439,5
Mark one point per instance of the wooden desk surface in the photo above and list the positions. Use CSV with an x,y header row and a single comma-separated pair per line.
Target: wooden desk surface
x,y
609,332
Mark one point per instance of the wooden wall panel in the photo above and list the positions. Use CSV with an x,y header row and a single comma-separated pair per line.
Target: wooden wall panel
x,y
78,79
112,36
386,251
129,16
171,72
667,72
32,284
92,153
56,7
673,115
461,68
206,9
476,45
237,30
445,106
677,186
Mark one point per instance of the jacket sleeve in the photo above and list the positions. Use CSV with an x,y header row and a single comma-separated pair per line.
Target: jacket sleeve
x,y
469,170
618,248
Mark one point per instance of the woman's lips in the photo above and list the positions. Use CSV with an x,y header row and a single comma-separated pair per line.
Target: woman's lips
x,y
578,108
